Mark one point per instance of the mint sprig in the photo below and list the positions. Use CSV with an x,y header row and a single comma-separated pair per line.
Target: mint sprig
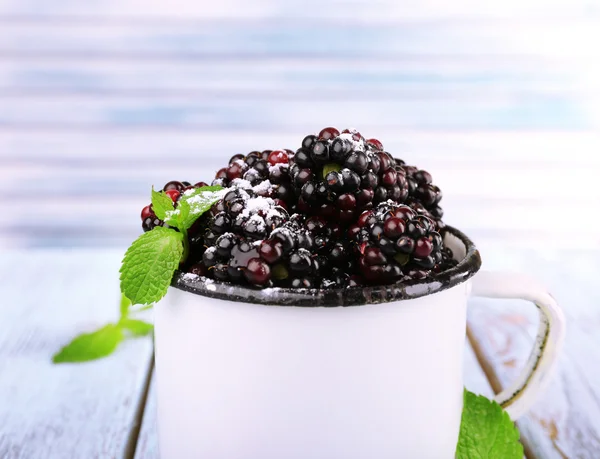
x,y
486,431
103,342
146,272
161,203
192,205
149,265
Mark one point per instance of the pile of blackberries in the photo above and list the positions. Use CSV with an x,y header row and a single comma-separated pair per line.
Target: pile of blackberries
x,y
339,212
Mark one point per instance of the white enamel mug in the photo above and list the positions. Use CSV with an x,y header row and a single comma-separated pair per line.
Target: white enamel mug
x,y
369,373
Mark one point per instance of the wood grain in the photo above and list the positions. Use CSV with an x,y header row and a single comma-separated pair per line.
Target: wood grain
x,y
565,422
147,444
70,410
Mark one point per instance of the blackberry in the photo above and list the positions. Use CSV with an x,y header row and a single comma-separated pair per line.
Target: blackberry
x,y
395,242
339,175
421,190
235,228
268,172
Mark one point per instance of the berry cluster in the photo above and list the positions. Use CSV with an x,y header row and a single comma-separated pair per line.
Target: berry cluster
x,y
338,213
395,242
337,176
421,190
174,190
268,168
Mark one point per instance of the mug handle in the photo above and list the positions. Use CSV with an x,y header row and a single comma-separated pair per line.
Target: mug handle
x,y
519,396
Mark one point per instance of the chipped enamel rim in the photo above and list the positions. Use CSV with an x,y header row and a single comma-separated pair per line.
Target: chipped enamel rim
x,y
461,245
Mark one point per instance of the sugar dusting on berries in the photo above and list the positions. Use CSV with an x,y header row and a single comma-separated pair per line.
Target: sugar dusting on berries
x,y
357,145
190,277
338,212
263,188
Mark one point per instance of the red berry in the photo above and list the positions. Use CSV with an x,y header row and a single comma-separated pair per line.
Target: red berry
x,y
328,133
385,161
200,184
270,251
375,144
367,217
374,256
221,173
353,231
364,197
278,157
235,171
147,212
173,194
279,202
404,212
346,202
174,185
389,177
423,248
257,271
393,227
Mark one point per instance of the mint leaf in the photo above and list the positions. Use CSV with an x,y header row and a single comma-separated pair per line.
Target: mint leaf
x,y
137,327
90,346
486,431
161,203
124,306
149,265
192,205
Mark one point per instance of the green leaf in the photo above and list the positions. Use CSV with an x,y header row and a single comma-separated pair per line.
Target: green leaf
x,y
149,265
137,327
486,431
161,203
125,304
192,205
91,346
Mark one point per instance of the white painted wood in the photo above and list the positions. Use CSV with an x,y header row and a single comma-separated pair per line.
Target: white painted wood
x,y
217,77
232,37
380,11
147,444
565,421
64,411
453,112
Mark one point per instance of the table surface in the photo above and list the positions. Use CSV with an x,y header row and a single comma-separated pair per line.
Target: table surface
x,y
106,409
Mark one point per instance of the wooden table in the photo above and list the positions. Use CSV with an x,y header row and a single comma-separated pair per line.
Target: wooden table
x,y
106,409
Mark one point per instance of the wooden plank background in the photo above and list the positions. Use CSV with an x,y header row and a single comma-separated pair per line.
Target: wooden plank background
x,y
98,101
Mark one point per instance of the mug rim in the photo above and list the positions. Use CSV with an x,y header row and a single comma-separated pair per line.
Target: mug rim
x,y
340,297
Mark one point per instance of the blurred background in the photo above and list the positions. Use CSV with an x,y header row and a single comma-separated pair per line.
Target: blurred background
x,y
100,100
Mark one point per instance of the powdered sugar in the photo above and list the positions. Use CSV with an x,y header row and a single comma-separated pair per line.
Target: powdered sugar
x,y
190,277
263,188
241,183
258,204
357,145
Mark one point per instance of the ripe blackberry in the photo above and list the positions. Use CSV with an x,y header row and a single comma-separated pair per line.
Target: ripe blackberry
x,y
337,176
266,171
421,190
395,242
235,228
